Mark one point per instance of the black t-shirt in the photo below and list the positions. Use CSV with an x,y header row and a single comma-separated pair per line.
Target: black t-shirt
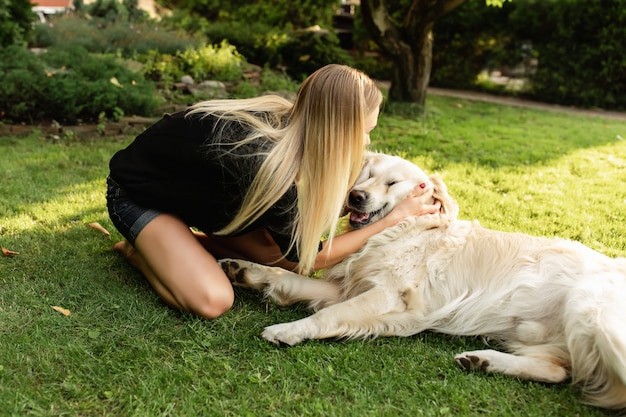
x,y
176,167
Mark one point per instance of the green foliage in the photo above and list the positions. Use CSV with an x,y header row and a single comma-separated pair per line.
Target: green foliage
x,y
307,50
67,85
278,13
299,51
580,45
277,81
272,81
219,62
268,32
469,39
16,19
257,41
122,37
109,11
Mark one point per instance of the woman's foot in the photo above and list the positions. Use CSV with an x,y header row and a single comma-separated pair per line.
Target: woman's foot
x,y
127,250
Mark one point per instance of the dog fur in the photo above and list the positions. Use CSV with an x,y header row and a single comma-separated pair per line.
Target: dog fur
x,y
556,306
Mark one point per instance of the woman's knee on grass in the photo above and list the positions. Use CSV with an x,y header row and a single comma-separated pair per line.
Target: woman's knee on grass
x,y
214,301
203,295
179,268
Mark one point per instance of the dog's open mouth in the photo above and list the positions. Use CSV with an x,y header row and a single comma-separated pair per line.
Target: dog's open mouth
x,y
359,219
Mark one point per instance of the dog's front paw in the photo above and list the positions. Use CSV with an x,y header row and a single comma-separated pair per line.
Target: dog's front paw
x,y
245,273
470,362
234,270
284,334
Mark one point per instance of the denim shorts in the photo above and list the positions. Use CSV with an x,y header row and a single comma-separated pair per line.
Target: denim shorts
x,y
128,217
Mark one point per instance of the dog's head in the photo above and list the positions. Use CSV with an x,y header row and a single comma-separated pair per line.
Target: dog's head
x,y
386,180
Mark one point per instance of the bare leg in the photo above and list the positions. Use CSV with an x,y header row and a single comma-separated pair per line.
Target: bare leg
x,y
180,266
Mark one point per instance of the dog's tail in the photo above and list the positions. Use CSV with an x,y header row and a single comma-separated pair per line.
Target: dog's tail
x,y
596,338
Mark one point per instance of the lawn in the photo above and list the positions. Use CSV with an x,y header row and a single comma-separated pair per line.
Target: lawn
x,y
121,352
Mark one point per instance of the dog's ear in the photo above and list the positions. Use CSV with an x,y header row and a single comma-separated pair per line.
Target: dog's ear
x,y
449,206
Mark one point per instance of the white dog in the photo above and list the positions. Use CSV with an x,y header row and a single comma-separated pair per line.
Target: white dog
x,y
556,305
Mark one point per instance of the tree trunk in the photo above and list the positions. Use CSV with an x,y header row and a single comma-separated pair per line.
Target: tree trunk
x,y
411,71
408,44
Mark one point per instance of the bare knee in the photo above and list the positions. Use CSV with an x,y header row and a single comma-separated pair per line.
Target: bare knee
x,y
217,300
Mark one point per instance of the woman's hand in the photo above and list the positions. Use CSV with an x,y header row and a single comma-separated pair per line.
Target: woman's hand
x,y
420,202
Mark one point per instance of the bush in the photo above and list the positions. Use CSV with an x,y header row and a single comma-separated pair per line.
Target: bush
x,y
219,62
283,14
122,37
258,42
109,11
68,86
469,39
581,46
16,18
269,34
307,50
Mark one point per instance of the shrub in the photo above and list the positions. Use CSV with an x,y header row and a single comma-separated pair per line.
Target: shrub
x,y
581,50
277,81
125,38
469,39
277,13
16,18
219,62
69,85
258,42
269,34
579,45
307,50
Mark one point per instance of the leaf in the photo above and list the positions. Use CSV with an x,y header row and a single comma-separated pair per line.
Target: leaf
x,y
9,253
61,310
97,226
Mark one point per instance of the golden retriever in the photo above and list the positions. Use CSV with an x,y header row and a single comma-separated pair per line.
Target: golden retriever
x,y
557,306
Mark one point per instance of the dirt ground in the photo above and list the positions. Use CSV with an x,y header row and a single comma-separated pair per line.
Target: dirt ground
x,y
134,125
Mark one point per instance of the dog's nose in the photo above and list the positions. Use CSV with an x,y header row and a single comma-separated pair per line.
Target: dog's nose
x,y
357,197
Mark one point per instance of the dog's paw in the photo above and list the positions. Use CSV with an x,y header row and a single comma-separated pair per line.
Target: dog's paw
x,y
234,270
284,334
469,361
245,273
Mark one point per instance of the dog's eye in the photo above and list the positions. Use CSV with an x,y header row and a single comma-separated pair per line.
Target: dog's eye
x,y
390,183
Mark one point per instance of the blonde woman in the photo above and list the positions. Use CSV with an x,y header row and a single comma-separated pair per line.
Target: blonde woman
x,y
263,179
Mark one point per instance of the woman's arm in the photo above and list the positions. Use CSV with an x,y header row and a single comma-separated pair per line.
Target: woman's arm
x,y
350,242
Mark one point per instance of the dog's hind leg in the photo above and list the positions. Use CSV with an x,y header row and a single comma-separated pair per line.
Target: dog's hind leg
x,y
544,369
282,286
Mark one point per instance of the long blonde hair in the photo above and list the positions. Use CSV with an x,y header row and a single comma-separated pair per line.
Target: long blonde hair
x,y
319,145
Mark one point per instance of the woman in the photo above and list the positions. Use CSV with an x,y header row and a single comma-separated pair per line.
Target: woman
x,y
262,178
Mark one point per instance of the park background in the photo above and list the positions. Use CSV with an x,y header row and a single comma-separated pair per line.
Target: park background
x,y
79,85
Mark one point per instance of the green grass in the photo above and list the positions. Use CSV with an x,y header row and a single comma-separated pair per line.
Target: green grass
x,y
121,352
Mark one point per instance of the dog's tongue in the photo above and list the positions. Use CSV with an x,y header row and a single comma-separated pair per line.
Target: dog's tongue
x,y
357,217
